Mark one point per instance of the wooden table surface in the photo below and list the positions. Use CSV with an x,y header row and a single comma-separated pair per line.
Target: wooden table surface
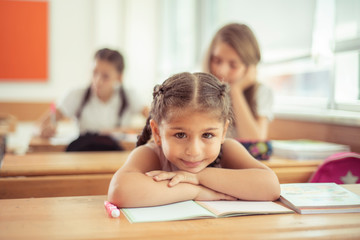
x,y
85,218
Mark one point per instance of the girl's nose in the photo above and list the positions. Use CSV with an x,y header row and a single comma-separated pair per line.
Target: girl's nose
x,y
223,71
97,79
193,149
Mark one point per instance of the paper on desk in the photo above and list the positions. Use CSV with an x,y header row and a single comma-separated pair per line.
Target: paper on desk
x,y
176,211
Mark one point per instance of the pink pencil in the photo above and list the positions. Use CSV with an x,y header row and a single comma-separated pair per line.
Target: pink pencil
x,y
53,113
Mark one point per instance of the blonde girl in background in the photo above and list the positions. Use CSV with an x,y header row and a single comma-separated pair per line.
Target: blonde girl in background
x,y
233,57
189,157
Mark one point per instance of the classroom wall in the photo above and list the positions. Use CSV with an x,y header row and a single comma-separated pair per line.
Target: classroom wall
x,y
71,44
76,30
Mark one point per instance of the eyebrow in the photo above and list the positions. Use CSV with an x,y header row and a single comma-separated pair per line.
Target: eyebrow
x,y
182,129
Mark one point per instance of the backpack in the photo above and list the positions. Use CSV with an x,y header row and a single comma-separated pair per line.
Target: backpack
x,y
260,150
93,142
340,168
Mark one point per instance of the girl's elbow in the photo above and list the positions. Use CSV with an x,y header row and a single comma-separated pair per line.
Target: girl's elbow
x,y
272,187
276,188
113,196
275,194
118,196
117,192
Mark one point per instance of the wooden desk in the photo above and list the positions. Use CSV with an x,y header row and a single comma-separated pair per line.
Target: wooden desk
x,y
58,174
85,218
293,171
89,173
66,163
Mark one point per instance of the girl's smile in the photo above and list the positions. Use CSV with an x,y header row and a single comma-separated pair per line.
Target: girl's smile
x,y
192,164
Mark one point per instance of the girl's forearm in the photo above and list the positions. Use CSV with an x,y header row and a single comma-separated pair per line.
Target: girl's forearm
x,y
244,184
246,125
133,189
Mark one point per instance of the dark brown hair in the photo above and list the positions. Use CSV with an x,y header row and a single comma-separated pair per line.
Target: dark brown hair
x,y
243,41
199,91
115,58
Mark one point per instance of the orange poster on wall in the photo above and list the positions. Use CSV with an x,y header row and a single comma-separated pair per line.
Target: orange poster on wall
x,y
23,41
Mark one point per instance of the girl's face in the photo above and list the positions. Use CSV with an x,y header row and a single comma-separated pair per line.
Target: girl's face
x,y
105,78
226,64
191,140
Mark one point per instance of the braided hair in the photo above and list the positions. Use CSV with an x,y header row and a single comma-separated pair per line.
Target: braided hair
x,y
200,91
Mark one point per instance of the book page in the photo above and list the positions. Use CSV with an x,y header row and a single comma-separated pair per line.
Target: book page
x,y
230,208
171,212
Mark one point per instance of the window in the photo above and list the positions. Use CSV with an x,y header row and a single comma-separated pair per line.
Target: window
x,y
310,49
347,55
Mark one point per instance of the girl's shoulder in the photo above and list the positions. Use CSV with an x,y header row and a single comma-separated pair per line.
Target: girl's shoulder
x,y
78,90
232,143
263,89
147,149
75,94
231,147
234,154
143,158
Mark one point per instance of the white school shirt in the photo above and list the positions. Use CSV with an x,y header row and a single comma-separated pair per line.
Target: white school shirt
x,y
264,102
97,115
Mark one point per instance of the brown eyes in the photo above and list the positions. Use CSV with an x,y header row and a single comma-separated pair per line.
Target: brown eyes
x,y
208,135
218,61
182,135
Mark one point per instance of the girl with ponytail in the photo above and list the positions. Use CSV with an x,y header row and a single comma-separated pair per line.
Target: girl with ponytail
x,y
99,109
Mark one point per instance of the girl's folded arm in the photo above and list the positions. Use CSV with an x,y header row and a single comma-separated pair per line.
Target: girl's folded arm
x,y
242,176
130,187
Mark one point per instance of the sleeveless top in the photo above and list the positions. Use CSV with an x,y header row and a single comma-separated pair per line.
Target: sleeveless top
x,y
167,166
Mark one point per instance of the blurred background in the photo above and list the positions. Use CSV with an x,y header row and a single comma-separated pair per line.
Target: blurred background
x,y
310,51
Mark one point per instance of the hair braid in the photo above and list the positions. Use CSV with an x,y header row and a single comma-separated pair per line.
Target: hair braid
x,y
145,135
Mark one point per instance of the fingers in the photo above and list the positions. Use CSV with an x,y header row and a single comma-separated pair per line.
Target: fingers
x,y
175,180
160,175
153,173
174,177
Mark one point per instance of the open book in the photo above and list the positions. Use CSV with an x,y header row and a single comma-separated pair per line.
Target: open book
x,y
202,209
310,198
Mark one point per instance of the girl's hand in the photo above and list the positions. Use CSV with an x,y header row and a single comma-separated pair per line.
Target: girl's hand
x,y
174,177
207,194
48,130
246,80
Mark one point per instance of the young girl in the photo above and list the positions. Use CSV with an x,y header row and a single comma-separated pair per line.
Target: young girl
x,y
100,107
190,157
232,57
